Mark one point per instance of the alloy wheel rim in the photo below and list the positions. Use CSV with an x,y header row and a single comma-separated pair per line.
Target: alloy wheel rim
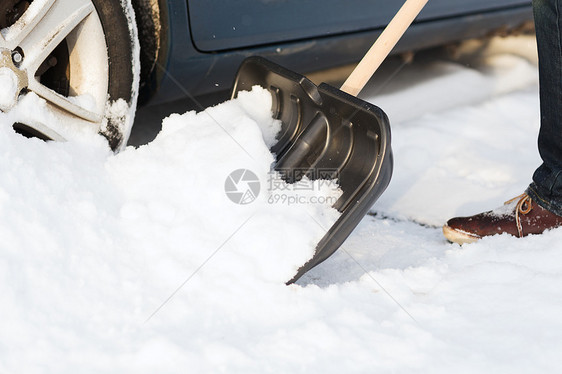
x,y
51,35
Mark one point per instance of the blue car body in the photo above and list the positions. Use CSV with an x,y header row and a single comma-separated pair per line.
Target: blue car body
x,y
204,41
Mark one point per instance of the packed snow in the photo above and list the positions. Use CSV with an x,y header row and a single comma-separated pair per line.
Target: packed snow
x,y
139,262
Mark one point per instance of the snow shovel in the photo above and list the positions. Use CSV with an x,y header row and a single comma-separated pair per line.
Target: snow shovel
x,y
331,134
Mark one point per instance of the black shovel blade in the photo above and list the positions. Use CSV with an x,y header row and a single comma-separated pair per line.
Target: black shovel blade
x,y
329,134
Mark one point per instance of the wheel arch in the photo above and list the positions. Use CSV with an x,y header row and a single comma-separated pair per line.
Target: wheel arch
x,y
153,28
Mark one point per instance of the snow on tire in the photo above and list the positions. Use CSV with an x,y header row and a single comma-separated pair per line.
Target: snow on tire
x,y
69,68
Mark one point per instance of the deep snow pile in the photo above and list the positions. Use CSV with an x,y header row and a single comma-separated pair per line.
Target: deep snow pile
x,y
140,263
94,245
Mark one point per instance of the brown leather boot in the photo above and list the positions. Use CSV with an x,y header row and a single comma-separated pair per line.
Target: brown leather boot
x,y
519,217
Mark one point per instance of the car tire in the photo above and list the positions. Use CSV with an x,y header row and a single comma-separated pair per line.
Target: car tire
x,y
81,57
121,37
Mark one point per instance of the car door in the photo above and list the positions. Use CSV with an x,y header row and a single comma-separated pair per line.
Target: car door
x,y
218,25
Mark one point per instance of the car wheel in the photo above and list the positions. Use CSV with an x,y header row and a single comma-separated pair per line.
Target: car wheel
x,y
78,59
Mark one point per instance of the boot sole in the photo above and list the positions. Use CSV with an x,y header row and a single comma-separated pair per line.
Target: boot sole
x,y
459,237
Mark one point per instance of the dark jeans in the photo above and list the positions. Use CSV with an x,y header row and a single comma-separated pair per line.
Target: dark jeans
x,y
546,188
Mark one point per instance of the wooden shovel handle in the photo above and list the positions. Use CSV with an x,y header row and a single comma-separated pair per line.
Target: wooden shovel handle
x,y
382,47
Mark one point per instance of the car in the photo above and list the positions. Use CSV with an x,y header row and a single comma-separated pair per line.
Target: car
x,y
94,61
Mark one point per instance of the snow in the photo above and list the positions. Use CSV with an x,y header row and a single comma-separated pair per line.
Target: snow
x,y
140,263
9,84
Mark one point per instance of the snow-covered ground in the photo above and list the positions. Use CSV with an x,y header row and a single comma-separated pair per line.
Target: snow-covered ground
x,y
140,263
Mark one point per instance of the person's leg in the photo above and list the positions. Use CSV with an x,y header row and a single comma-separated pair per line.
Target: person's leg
x,y
546,188
540,208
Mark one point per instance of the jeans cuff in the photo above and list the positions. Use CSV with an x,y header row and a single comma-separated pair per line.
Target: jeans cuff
x,y
552,206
